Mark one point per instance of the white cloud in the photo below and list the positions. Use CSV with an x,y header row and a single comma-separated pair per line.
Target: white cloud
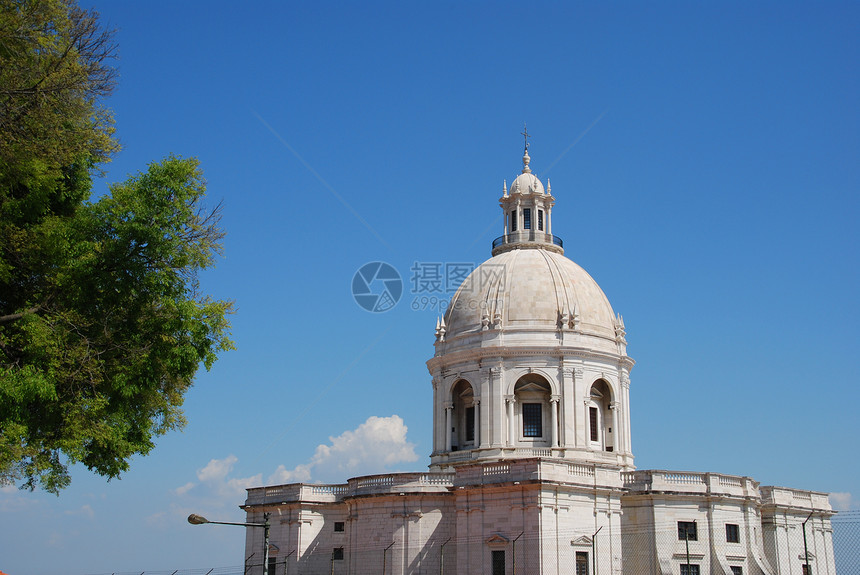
x,y
185,488
373,447
215,487
217,469
83,510
302,473
841,501
13,499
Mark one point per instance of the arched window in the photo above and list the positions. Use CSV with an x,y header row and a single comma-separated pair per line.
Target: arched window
x,y
600,433
532,393
464,420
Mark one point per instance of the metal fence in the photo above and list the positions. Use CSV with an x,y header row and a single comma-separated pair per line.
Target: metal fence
x,y
568,553
846,543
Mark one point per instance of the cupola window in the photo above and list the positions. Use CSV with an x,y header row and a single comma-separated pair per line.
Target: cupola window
x,y
600,417
540,220
532,420
470,423
592,420
532,399
513,220
527,219
463,432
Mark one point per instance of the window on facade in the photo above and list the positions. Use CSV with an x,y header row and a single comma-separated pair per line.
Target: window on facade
x,y
592,421
337,554
733,533
527,218
540,220
499,562
513,220
737,570
532,420
804,569
687,569
338,526
273,564
687,531
470,423
581,563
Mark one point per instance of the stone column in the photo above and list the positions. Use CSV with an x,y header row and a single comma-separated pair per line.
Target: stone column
x,y
567,413
616,433
511,422
586,426
583,434
477,423
486,405
625,413
553,414
449,407
437,415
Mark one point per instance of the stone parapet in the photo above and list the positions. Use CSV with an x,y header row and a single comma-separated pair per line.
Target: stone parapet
x,y
784,497
523,470
367,485
687,482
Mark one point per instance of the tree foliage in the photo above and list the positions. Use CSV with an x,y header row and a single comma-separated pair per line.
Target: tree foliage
x,y
102,323
54,71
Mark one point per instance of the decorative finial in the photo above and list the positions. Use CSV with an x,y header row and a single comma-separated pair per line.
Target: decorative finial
x,y
548,187
505,188
526,158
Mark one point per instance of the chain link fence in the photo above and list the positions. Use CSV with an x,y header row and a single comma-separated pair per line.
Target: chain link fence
x,y
668,550
846,542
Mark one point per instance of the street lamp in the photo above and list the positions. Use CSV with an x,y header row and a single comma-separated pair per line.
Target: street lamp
x,y
195,519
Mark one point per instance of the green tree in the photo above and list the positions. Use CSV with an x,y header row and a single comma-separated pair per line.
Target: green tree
x,y
102,322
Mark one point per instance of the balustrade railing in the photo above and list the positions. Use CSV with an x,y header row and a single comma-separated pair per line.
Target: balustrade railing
x,y
527,236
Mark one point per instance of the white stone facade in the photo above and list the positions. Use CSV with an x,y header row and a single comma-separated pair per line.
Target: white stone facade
x,y
532,464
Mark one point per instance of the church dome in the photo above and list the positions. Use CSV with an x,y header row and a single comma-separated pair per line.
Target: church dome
x,y
531,290
526,183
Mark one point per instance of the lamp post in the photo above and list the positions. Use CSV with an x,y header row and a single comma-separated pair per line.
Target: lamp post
x,y
805,548
195,519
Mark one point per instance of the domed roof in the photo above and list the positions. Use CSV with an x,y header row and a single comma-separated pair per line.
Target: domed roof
x,y
530,289
526,183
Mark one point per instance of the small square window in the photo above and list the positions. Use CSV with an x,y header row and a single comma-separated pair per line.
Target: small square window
x,y
470,423
689,569
592,422
337,554
736,570
338,526
733,533
687,531
532,420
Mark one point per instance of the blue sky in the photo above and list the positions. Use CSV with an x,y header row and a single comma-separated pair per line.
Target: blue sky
x,y
704,161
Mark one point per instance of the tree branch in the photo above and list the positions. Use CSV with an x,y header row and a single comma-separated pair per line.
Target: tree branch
x,y
4,319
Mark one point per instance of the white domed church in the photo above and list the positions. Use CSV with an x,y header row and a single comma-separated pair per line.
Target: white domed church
x,y
532,469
